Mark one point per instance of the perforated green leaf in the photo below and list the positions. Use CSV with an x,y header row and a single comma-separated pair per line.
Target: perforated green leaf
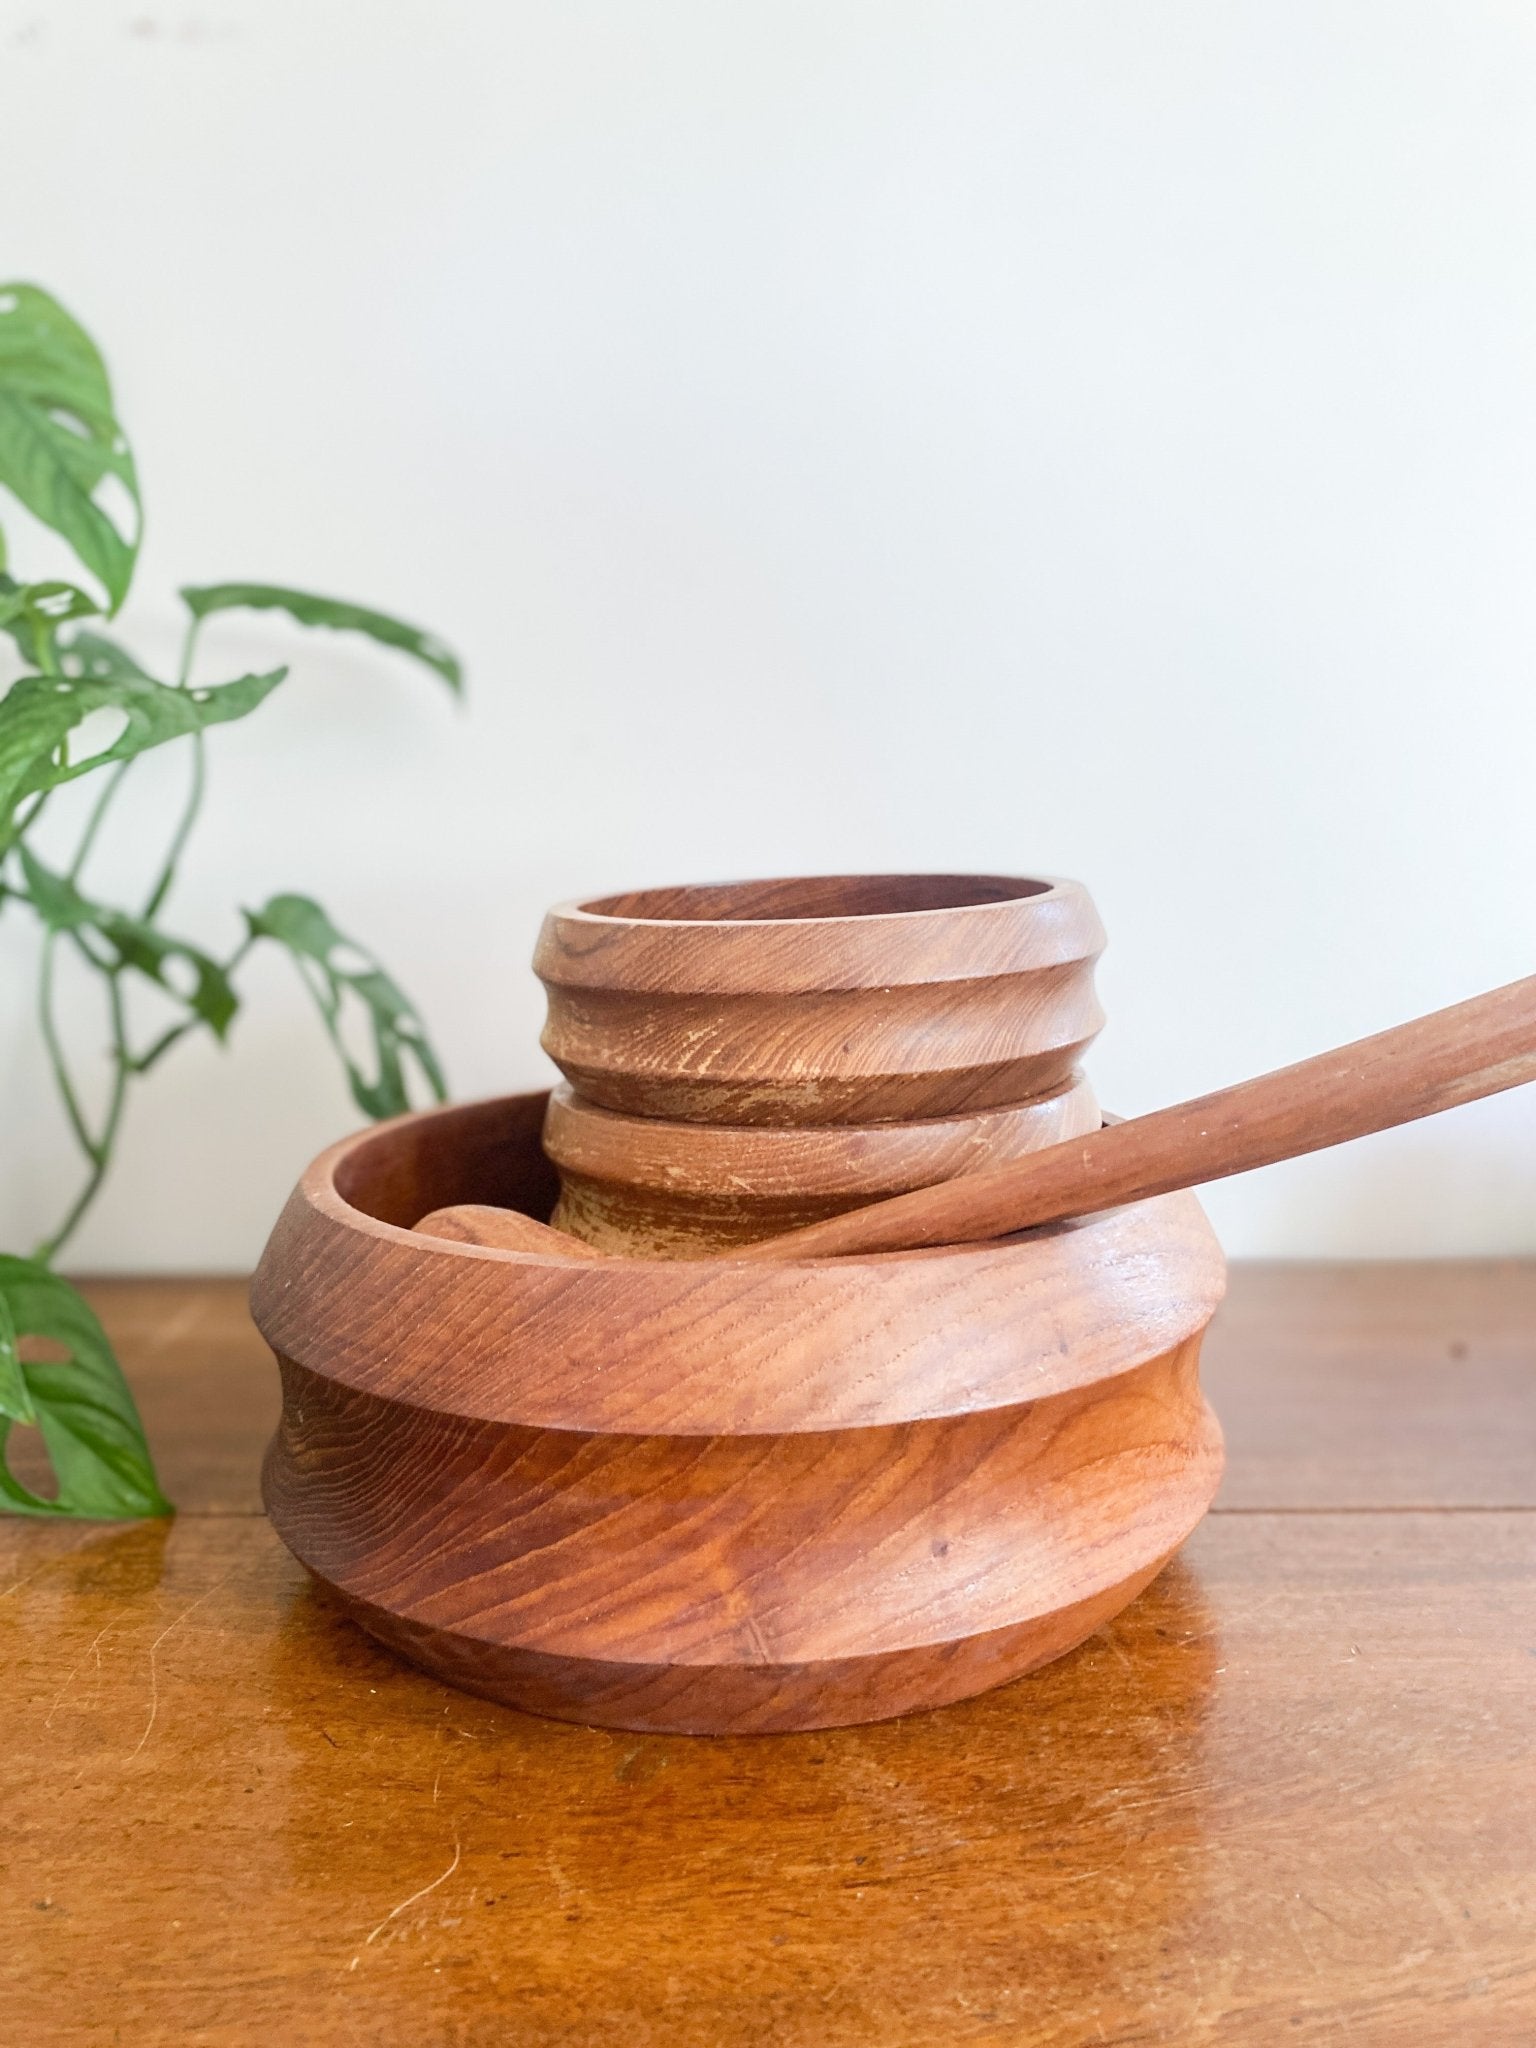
x,y
91,654
333,612
60,439
303,928
15,1401
38,713
53,601
134,944
31,613
82,1406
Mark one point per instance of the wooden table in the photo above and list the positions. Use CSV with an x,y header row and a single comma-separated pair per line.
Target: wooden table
x,y
1289,1797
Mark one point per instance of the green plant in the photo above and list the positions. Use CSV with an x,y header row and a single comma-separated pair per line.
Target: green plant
x,y
65,458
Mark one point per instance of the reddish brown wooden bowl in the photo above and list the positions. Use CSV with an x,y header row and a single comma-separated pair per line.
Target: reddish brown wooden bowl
x,y
710,1496
665,1189
852,999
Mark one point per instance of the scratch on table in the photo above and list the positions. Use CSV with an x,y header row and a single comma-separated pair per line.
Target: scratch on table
x,y
565,1891
70,1675
1452,1921
1112,1643
1300,1933
154,1681
395,1911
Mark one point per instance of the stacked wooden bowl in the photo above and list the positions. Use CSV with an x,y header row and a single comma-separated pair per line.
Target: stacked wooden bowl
x,y
745,1058
673,1490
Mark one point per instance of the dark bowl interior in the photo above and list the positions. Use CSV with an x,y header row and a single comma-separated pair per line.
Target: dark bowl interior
x,y
471,1152
814,897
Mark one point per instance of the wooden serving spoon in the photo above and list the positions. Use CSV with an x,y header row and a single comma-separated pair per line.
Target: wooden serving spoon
x,y
504,1230
1456,1055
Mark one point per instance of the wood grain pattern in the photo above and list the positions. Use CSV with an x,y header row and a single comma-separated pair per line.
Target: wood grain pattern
x,y
1456,1055
839,999
748,1058
659,1187
685,1496
816,1586
1365,1386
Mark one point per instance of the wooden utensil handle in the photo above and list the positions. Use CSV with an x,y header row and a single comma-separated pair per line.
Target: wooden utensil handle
x,y
1473,1049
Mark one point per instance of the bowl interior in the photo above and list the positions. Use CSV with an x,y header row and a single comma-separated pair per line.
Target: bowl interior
x,y
799,898
471,1152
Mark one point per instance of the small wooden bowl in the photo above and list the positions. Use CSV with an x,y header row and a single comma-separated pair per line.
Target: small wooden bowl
x,y
695,1496
846,999
664,1189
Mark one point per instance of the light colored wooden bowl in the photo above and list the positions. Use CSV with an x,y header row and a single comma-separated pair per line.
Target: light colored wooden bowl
x,y
695,1496
668,1189
852,999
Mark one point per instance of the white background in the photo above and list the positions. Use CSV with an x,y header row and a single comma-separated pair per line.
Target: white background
x,y
1085,438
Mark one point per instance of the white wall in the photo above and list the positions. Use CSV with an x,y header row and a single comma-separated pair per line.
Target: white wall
x,y
1084,437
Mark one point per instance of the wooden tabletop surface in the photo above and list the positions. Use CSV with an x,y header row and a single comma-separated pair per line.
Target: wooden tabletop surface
x,y
1288,1797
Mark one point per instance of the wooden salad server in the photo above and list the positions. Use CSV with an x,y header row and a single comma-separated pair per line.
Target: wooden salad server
x,y
1454,1055
1472,1049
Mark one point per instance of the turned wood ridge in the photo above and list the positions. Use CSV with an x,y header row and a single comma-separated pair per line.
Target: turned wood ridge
x,y
1455,1055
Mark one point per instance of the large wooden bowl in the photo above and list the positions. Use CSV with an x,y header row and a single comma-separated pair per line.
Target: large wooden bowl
x,y
708,1496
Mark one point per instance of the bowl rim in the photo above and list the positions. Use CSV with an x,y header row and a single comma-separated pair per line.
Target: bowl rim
x,y
601,951
981,892
579,1345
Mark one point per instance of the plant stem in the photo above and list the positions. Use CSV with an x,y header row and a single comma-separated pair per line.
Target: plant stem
x,y
98,812
194,802
183,833
55,1047
142,1062
12,834
24,825
45,653
188,648
101,1150
189,812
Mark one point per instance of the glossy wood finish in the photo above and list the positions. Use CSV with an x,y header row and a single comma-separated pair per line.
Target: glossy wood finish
x,y
1456,1055
658,1187
838,999
1380,1385
1372,1384
1285,1797
681,1495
